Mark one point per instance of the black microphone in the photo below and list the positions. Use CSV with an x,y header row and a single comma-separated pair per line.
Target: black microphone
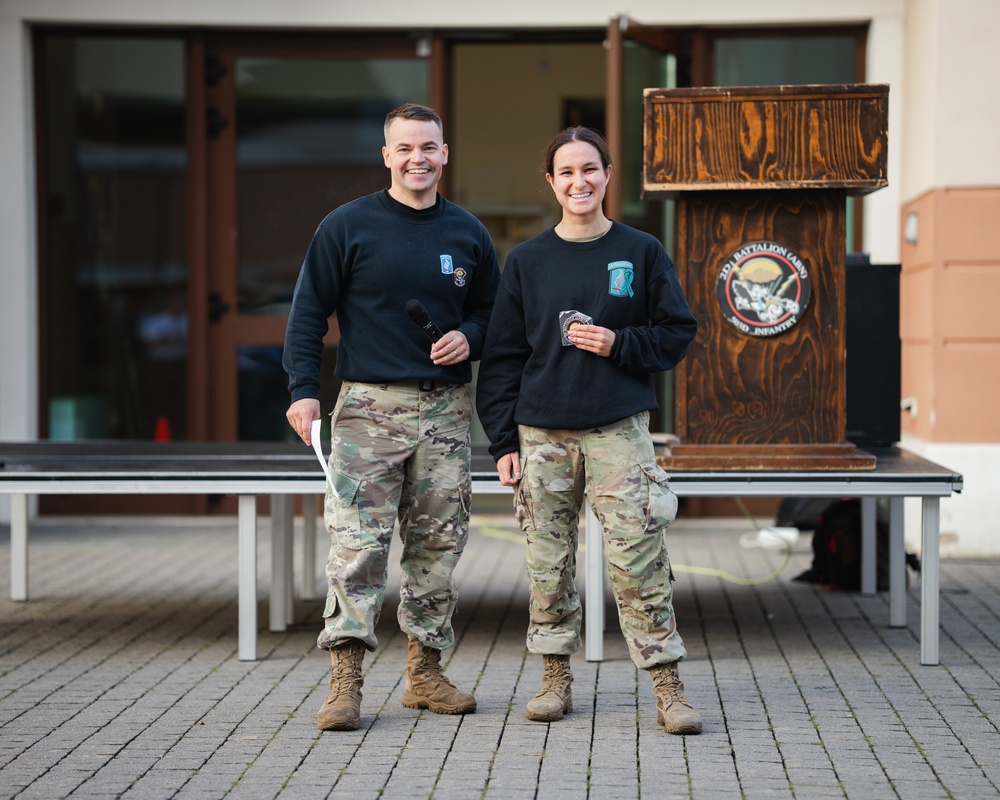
x,y
419,315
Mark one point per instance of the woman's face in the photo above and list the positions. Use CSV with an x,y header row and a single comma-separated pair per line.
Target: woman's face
x,y
578,178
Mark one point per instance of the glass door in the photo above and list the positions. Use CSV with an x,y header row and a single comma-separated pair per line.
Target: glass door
x,y
293,133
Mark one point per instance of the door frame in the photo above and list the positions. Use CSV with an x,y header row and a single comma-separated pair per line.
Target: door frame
x,y
666,41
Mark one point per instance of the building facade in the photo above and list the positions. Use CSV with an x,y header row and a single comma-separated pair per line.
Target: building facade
x,y
165,165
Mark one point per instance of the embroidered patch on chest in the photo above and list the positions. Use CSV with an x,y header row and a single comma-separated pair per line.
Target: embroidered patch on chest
x,y
620,277
460,276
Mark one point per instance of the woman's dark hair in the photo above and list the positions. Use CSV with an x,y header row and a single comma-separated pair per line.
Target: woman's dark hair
x,y
577,133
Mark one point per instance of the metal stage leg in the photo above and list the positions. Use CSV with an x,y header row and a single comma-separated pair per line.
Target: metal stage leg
x,y
281,566
594,600
897,565
930,581
288,524
309,513
19,547
247,559
869,541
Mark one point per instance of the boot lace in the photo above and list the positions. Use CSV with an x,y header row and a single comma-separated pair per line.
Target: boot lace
x,y
430,667
345,671
668,685
556,676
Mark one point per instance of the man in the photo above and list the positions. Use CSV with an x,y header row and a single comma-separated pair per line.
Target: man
x,y
401,437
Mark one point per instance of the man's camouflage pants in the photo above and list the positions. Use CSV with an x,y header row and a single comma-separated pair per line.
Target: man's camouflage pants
x,y
632,500
398,452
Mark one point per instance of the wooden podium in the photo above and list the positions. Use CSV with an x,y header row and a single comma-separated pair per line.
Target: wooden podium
x,y
761,176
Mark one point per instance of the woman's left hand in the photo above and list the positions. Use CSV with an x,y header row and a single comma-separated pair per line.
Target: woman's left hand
x,y
593,339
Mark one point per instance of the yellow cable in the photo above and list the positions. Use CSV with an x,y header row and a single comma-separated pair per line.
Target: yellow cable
x,y
498,533
746,512
719,573
494,532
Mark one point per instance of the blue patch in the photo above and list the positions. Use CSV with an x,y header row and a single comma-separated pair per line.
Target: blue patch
x,y
621,278
447,266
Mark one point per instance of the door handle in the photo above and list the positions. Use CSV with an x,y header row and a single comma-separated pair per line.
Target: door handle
x,y
217,307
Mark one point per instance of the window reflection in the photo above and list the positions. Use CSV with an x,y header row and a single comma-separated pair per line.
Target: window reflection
x,y
114,271
309,138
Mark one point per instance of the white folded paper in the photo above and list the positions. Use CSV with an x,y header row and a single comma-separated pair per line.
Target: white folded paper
x,y
317,445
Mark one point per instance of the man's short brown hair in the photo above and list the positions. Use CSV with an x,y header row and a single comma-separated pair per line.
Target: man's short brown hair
x,y
412,111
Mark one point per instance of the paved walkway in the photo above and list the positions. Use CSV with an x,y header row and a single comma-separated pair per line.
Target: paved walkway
x,y
120,679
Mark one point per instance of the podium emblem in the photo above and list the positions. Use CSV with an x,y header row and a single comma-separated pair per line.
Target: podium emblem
x,y
763,288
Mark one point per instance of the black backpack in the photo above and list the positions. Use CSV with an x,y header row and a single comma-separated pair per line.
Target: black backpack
x,y
836,546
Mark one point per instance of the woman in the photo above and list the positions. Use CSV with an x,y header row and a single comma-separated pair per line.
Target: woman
x,y
587,311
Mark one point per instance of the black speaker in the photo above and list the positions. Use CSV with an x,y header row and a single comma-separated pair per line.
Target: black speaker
x,y
873,382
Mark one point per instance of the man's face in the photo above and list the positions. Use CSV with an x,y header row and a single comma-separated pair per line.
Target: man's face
x,y
415,154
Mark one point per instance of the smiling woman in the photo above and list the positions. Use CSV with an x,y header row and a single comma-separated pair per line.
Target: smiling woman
x,y
569,414
579,175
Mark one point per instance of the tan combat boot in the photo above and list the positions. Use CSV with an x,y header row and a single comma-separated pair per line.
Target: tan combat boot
x,y
342,709
554,698
673,711
428,687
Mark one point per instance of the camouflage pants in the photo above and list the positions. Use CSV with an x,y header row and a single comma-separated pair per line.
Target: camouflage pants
x,y
633,502
398,453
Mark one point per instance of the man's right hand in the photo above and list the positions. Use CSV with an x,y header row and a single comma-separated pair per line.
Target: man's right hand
x,y
300,416
509,469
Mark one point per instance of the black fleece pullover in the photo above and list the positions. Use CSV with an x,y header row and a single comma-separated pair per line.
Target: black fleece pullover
x,y
369,258
626,282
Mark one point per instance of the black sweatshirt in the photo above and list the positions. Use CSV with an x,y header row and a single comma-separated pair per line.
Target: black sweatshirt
x,y
626,282
367,259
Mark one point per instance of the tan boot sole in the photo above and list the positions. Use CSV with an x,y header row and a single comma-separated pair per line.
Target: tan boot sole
x,y
413,700
678,730
549,716
338,725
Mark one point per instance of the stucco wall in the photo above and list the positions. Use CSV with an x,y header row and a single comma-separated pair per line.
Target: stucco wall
x,y
447,13
951,117
18,299
950,283
950,329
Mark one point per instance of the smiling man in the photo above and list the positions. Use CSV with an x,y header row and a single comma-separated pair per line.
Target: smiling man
x,y
401,436
415,154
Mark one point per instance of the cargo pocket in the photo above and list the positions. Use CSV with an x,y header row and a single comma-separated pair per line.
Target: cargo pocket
x,y
330,609
661,508
465,499
523,506
343,517
463,516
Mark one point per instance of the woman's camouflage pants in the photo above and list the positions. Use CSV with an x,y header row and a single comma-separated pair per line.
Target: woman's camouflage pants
x,y
632,500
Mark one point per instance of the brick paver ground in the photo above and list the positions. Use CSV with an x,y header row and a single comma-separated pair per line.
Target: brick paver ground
x,y
120,678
